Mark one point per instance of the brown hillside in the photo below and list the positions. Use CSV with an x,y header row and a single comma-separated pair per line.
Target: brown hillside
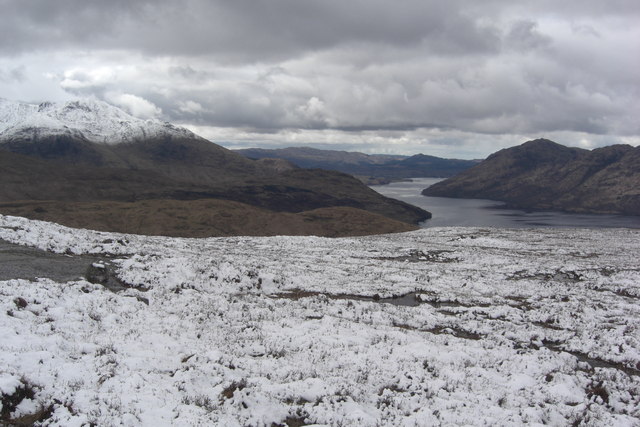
x,y
181,172
204,218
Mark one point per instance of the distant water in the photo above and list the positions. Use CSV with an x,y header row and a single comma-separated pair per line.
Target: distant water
x,y
488,213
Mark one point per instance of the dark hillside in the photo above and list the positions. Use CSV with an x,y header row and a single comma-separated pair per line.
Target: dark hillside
x,y
542,174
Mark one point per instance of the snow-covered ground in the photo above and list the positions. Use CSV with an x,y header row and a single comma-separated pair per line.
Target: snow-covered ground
x,y
501,327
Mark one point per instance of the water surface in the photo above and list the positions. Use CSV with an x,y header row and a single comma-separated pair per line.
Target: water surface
x,y
22,262
489,213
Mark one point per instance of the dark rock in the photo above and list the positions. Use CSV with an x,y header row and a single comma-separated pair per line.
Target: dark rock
x,y
97,273
20,302
10,402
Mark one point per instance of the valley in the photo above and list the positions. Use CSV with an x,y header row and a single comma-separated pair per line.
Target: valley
x,y
159,306
319,213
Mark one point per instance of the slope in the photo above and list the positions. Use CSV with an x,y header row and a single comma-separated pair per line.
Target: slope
x,y
542,174
61,163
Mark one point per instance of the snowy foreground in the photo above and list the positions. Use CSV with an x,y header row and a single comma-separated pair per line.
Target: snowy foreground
x,y
502,327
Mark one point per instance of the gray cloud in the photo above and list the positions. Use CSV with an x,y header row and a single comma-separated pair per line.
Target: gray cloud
x,y
345,69
13,74
524,35
241,30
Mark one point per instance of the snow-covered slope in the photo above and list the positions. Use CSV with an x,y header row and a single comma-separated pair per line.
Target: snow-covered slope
x,y
89,119
503,327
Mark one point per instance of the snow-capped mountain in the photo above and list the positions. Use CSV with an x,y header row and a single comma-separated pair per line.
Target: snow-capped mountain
x,y
91,151
88,119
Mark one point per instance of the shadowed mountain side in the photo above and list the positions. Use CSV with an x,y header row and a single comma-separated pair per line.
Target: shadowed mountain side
x,y
194,160
278,165
204,218
541,174
299,190
29,178
343,187
25,178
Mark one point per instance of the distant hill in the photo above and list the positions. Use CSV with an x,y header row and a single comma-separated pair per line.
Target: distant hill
x,y
307,157
371,168
422,165
542,174
89,151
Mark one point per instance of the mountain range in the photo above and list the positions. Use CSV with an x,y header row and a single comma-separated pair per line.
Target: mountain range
x,y
544,175
371,169
65,162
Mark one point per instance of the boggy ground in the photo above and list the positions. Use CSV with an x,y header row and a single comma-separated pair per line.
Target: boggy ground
x,y
21,262
500,327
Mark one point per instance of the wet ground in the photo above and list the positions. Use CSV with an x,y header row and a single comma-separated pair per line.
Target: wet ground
x,y
21,262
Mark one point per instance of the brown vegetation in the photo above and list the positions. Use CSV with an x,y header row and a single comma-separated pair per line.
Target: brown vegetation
x,y
204,218
187,187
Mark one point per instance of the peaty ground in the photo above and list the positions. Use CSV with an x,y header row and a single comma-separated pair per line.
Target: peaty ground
x,y
205,218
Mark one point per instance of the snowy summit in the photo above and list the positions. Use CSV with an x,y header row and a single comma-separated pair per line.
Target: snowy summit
x,y
89,119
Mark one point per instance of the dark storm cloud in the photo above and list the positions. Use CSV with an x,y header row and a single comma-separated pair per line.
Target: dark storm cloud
x,y
43,24
241,30
265,28
494,67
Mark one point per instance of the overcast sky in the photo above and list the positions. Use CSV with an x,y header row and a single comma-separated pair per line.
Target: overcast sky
x,y
455,78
